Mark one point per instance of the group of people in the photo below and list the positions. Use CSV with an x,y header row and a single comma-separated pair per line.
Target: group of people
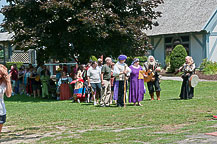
x,y
110,81
30,80
106,82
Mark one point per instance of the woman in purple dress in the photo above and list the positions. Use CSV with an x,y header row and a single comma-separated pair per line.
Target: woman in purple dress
x,y
136,92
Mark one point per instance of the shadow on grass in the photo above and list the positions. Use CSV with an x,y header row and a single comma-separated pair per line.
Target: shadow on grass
x,y
175,99
25,98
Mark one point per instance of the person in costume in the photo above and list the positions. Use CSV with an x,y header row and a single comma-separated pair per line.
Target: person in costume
x,y
136,90
154,84
187,92
45,82
5,88
121,71
106,83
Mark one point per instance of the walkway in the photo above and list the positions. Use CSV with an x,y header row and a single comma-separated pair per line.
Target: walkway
x,y
180,79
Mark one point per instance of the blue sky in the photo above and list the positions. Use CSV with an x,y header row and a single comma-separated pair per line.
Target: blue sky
x,y
2,2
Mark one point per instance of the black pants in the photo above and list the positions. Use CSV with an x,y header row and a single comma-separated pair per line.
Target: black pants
x,y
154,86
120,101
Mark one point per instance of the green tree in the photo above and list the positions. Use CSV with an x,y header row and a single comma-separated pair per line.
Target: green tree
x,y
62,28
177,57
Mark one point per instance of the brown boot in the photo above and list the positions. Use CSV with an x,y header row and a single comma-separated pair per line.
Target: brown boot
x,y
158,95
152,96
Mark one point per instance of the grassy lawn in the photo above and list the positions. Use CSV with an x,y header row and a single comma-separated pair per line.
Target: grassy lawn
x,y
167,121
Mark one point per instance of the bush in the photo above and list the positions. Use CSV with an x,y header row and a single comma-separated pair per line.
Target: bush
x,y
177,57
9,64
208,67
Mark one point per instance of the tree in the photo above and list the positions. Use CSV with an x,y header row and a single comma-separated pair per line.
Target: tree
x,y
177,57
62,28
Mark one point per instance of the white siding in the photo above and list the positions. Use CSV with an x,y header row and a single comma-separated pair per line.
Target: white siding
x,y
196,51
215,29
159,51
212,50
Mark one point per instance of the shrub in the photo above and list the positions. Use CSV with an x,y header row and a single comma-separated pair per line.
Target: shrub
x,y
177,57
9,64
208,67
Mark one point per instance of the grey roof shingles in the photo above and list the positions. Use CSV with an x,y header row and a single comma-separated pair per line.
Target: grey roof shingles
x,y
181,16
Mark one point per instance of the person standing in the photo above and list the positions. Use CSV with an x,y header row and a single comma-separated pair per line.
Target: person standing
x,y
15,79
93,77
187,92
136,90
112,82
45,82
5,88
121,71
35,81
106,84
153,66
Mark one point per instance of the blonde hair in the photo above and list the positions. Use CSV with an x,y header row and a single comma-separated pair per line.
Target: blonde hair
x,y
190,58
9,89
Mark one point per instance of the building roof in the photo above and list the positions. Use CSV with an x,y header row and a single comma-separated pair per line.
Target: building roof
x,y
181,16
6,36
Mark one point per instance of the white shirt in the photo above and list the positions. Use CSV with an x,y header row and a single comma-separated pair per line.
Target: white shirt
x,y
2,104
94,74
120,68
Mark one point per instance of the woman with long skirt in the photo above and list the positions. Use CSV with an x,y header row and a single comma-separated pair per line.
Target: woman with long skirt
x,y
136,91
187,92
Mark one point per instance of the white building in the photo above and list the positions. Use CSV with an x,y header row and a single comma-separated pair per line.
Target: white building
x,y
192,23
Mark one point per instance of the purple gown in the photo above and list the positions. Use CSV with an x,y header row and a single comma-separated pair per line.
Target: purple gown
x,y
136,91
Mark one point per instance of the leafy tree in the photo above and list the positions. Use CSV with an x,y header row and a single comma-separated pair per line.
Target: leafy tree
x,y
177,57
64,28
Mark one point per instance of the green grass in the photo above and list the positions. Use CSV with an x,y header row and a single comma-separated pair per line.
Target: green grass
x,y
165,121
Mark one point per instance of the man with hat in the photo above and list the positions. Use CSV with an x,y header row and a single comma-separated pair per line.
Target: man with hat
x,y
121,71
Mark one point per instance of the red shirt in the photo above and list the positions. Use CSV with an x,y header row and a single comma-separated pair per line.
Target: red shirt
x,y
14,74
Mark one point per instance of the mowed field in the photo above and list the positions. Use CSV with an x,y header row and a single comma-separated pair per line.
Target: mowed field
x,y
169,120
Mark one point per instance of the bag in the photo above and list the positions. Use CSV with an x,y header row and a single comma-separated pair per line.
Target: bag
x,y
65,92
37,78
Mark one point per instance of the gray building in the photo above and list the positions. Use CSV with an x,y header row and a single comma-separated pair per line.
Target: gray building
x,y
192,23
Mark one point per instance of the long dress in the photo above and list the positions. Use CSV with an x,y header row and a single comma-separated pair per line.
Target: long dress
x,y
45,81
187,92
136,91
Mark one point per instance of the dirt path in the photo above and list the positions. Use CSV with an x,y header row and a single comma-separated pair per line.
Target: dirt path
x,y
12,137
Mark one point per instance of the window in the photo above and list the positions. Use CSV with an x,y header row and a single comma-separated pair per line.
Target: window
x,y
172,41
